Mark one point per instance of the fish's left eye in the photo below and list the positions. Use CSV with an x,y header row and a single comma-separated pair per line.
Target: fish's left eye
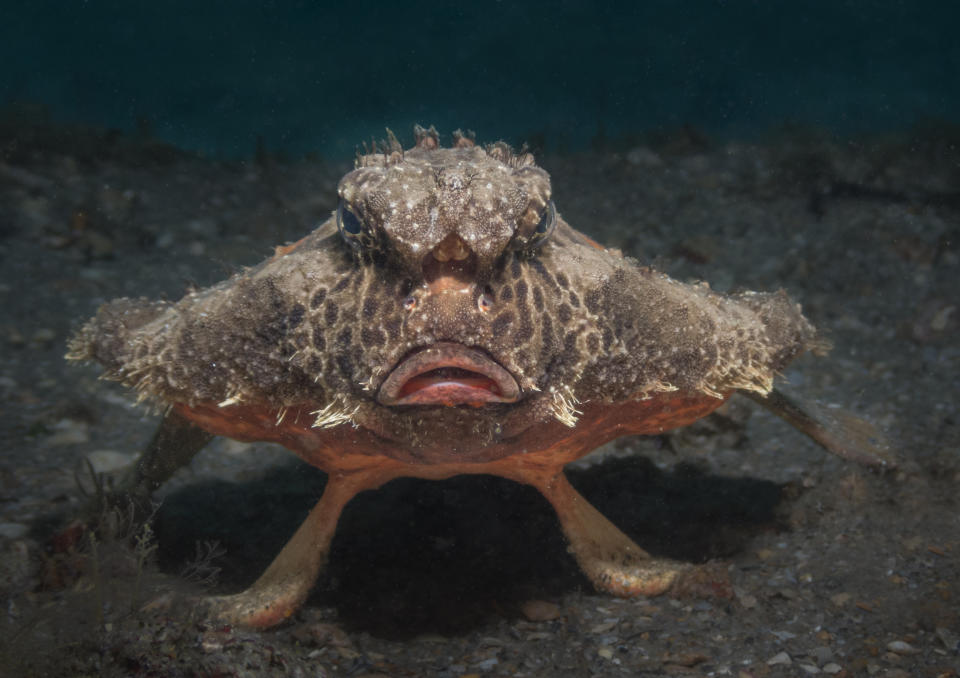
x,y
548,221
349,224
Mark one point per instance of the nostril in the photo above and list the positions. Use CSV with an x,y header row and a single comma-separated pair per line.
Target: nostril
x,y
410,303
485,300
484,303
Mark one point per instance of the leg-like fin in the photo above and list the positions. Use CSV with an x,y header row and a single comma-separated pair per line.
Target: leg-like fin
x,y
285,585
174,444
172,447
613,562
838,431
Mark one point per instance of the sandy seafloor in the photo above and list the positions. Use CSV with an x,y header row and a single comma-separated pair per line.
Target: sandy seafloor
x,y
837,569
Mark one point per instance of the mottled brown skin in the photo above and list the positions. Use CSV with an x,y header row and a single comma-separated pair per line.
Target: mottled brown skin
x,y
445,321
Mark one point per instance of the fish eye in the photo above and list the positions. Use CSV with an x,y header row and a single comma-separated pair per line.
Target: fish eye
x,y
349,224
545,226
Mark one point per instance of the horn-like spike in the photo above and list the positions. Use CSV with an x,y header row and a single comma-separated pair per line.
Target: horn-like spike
x,y
392,144
426,139
463,139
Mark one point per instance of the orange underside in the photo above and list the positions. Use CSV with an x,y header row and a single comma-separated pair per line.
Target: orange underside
x,y
547,444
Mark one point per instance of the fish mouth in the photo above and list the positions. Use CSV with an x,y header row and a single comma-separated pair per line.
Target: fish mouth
x,y
448,374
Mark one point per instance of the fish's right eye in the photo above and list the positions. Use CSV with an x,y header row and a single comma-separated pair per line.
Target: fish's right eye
x,y
349,224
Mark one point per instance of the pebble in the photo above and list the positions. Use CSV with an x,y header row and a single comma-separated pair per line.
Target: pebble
x,y
949,639
685,659
934,319
213,641
901,647
107,461
537,635
840,599
832,668
942,318
779,658
539,610
68,432
15,337
44,335
822,655
487,664
604,627
326,635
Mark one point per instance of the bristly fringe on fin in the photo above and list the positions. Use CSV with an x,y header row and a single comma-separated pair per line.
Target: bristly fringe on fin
x,y
334,414
563,406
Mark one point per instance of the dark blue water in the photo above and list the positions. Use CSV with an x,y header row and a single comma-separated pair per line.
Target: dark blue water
x,y
313,76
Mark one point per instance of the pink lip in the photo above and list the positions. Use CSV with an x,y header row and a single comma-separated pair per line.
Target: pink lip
x,y
448,374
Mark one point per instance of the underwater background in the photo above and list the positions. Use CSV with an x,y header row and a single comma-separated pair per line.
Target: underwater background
x,y
320,76
148,149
